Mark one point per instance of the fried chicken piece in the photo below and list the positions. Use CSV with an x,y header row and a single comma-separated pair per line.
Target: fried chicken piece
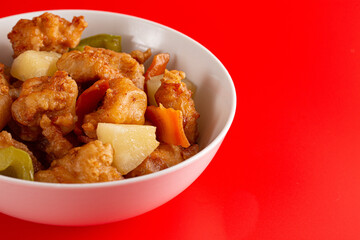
x,y
57,145
173,93
6,140
190,151
47,32
53,96
164,156
24,132
5,98
140,56
123,103
98,63
15,89
46,107
86,164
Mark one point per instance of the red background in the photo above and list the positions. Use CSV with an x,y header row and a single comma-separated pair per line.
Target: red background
x,y
290,166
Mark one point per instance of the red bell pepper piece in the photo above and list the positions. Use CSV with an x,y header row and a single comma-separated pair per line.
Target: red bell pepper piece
x,y
88,101
157,66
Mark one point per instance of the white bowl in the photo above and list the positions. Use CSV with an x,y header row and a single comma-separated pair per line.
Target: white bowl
x,y
97,203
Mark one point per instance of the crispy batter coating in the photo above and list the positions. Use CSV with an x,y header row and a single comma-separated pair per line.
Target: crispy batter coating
x,y
98,63
24,132
6,140
47,32
140,56
174,94
15,89
123,103
53,96
164,156
86,164
5,98
57,145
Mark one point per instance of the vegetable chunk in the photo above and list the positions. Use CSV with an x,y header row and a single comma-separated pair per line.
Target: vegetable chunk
x,y
16,163
158,65
32,64
169,123
107,41
131,143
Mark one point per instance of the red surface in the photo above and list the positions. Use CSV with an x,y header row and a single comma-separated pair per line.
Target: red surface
x,y
290,166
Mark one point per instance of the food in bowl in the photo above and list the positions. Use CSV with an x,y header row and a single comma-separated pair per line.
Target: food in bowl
x,y
82,111
99,203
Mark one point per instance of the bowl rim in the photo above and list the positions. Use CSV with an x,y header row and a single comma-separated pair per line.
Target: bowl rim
x,y
216,141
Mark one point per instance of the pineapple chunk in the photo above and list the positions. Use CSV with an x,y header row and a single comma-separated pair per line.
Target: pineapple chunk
x,y
131,143
32,64
153,84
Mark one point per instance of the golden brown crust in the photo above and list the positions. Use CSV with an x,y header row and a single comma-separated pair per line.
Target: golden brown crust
x,y
190,151
57,145
47,32
174,94
53,96
87,164
98,63
164,156
140,56
5,98
123,103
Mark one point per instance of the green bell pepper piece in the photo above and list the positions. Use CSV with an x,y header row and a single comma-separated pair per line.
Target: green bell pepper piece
x,y
111,42
16,163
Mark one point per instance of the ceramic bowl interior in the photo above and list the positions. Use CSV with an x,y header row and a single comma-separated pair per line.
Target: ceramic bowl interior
x,y
87,204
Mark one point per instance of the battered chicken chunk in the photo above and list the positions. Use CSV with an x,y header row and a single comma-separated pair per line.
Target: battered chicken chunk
x,y
6,140
5,98
98,63
57,145
15,89
162,157
53,96
87,164
173,93
24,132
123,103
47,32
140,56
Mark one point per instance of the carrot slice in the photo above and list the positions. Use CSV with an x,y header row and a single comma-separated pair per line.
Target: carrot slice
x,y
157,66
169,125
89,100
